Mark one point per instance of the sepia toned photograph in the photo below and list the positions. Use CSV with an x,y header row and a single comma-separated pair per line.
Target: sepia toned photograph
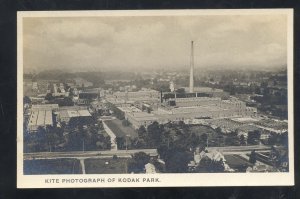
x,y
155,98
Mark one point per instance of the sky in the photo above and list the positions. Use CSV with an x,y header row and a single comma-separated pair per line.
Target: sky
x,y
137,43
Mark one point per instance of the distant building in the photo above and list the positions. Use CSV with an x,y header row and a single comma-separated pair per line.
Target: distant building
x,y
59,90
138,95
213,92
53,107
189,109
39,118
34,86
191,86
213,156
85,97
172,86
138,98
41,115
80,82
68,115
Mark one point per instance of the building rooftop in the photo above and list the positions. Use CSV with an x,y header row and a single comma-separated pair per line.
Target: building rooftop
x,y
40,118
84,113
204,89
74,113
196,109
143,116
45,106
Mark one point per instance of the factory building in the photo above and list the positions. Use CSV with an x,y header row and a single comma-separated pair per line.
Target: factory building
x,y
137,98
144,94
41,116
38,119
167,114
68,116
197,103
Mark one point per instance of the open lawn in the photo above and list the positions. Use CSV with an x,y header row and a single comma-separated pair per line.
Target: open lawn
x,y
120,130
52,166
98,166
200,129
237,162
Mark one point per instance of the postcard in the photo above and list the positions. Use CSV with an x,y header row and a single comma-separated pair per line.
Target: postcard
x,y
155,98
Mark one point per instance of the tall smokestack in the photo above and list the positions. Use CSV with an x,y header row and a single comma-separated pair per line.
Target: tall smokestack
x,y
192,68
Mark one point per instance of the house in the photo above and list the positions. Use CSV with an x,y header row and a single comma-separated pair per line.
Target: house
x,y
150,168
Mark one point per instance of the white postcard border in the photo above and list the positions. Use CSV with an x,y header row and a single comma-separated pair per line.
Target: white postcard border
x,y
160,180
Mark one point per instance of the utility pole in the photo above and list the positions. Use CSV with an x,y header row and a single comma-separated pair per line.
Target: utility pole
x,y
207,142
126,140
83,145
191,89
50,147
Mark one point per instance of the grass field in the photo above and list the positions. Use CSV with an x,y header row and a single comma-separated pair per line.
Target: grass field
x,y
52,166
120,130
98,166
199,130
237,162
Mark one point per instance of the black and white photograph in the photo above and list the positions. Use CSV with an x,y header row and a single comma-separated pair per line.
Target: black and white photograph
x,y
155,98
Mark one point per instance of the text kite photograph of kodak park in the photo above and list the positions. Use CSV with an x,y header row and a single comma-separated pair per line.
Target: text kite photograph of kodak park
x,y
155,94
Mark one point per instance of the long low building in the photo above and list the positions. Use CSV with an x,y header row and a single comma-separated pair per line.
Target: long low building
x,y
41,115
39,118
53,107
215,109
67,115
138,97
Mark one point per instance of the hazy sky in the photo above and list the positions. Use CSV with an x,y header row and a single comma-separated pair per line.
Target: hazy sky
x,y
108,43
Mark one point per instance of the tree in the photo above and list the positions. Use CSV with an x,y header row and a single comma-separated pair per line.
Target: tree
x,y
204,137
242,140
253,137
120,142
183,126
154,134
193,140
177,160
49,97
220,138
284,139
252,157
279,158
53,136
39,138
142,132
125,122
100,125
76,139
232,139
138,143
218,130
141,158
138,162
273,138
208,165
167,139
63,124
26,100
218,166
163,151
67,101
